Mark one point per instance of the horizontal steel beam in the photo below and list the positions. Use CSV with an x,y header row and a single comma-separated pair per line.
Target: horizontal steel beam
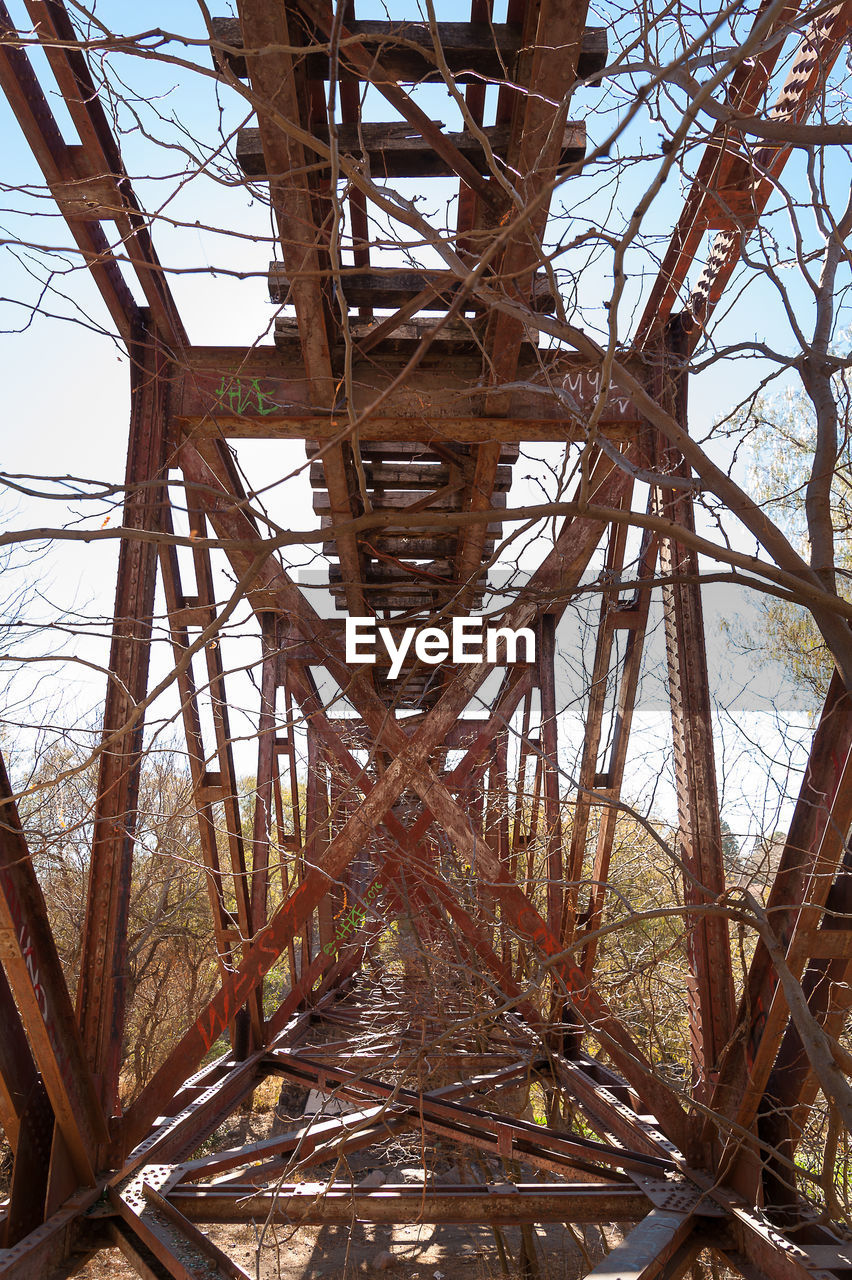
x,y
390,287
264,392
395,152
317,1203
404,50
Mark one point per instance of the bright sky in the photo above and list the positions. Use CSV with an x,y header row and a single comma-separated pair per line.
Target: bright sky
x,y
66,380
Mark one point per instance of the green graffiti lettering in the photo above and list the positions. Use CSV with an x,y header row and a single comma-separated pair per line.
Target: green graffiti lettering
x,y
244,397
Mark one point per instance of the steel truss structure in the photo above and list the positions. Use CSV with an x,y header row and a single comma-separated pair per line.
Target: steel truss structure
x,y
412,427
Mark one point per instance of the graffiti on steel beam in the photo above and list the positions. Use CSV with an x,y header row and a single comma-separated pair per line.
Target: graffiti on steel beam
x,y
351,919
244,396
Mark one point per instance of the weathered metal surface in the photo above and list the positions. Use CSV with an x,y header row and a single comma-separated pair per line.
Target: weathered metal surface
x,y
144,1263
45,1248
711,989
185,1252
395,153
824,799
471,49
559,571
552,32
607,789
525,1134
264,780
38,124
202,1103
817,52
771,1250
563,565
37,1164
299,205
502,1202
225,924
361,60
100,161
550,787
18,1072
644,1252
290,391
28,1124
102,991
218,782
746,87
181,1132
322,1139
34,971
264,392
825,985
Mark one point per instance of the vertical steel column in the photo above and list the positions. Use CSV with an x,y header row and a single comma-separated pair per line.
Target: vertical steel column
x,y
501,770
520,825
181,616
220,784
496,820
34,973
18,1072
825,986
535,814
600,682
295,801
28,1123
263,807
287,647
633,619
550,759
520,838
101,994
316,826
699,825
284,846
340,812
286,746
224,786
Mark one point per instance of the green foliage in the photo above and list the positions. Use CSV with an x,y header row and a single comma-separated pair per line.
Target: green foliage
x,y
172,966
730,845
782,431
641,965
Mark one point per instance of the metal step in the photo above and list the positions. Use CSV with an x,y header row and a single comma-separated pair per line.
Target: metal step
x,y
379,574
412,475
328,521
404,51
392,287
448,338
395,500
409,598
408,450
394,150
413,548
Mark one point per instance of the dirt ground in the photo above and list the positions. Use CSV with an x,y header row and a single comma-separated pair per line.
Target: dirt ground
x,y
425,1252
418,1252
